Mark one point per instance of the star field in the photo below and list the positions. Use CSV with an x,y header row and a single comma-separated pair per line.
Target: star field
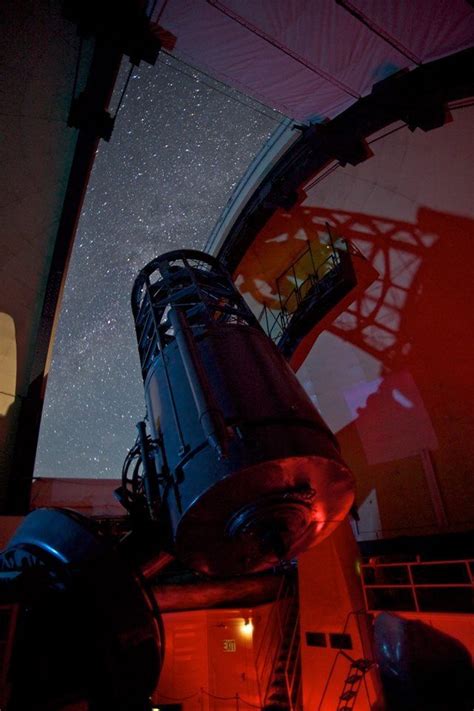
x,y
180,144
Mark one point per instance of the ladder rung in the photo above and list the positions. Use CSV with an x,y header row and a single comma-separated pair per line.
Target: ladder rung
x,y
353,678
362,664
347,695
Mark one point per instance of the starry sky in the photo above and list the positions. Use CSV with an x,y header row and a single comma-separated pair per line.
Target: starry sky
x,y
181,142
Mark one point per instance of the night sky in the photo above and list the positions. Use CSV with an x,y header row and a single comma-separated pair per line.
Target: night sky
x,y
180,144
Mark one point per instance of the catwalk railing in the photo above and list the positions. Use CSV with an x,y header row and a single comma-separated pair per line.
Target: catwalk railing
x,y
307,283
419,586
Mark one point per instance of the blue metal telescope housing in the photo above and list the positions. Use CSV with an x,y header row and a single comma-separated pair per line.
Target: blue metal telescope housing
x,y
237,457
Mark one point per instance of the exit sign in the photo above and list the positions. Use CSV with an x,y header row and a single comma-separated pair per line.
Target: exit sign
x,y
230,645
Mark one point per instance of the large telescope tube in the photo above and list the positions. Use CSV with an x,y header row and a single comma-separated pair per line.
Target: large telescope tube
x,y
246,468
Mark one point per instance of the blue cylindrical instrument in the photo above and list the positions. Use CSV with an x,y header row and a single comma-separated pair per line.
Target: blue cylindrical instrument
x,y
247,471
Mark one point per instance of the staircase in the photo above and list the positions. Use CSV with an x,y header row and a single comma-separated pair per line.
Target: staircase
x,y
353,681
278,660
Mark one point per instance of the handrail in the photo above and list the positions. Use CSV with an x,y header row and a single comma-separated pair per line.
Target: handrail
x,y
341,652
271,643
294,676
318,277
401,563
239,702
333,257
411,583
314,276
272,612
269,626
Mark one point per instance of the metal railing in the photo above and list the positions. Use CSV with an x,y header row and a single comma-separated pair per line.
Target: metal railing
x,y
343,657
293,668
273,638
204,699
304,279
419,586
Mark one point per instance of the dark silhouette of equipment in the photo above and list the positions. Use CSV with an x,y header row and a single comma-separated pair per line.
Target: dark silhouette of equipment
x,y
85,628
421,667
